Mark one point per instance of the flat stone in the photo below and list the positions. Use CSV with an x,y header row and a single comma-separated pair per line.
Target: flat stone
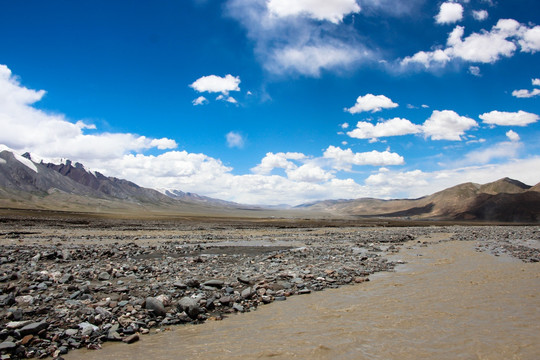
x,y
33,328
238,307
104,276
214,283
17,324
7,345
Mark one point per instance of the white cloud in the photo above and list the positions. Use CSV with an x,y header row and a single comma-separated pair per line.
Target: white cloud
x,y
217,84
277,161
345,125
480,15
482,47
332,11
449,13
26,128
228,99
502,118
502,150
536,82
392,127
312,59
371,103
201,100
344,159
530,40
447,125
289,42
234,139
309,173
523,93
416,183
512,135
474,70
163,144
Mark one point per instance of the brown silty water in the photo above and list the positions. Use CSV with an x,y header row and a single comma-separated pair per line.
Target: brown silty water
x,y
448,302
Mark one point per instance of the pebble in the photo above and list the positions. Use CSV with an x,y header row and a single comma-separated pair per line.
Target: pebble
x,y
81,294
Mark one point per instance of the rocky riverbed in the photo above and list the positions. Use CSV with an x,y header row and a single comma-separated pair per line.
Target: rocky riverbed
x,y
72,284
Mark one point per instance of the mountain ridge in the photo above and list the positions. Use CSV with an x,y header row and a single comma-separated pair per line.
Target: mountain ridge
x,y
68,185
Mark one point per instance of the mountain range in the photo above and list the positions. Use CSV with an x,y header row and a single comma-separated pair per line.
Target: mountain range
x,y
68,186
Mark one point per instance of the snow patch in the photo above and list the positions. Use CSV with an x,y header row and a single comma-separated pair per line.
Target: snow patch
x,y
2,161
26,162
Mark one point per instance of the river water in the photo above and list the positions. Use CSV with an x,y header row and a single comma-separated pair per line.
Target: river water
x,y
448,302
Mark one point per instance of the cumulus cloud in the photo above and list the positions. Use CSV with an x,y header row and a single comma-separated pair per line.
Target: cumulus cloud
x,y
332,11
234,139
524,93
449,13
371,103
201,100
277,161
528,93
484,47
216,84
512,135
344,159
26,128
447,125
480,15
392,127
502,118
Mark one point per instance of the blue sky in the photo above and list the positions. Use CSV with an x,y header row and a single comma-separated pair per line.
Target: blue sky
x,y
277,101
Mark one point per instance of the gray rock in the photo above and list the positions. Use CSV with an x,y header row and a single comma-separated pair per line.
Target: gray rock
x,y
247,293
238,307
7,345
17,324
156,306
87,328
33,328
214,283
66,278
104,276
244,280
190,306
71,332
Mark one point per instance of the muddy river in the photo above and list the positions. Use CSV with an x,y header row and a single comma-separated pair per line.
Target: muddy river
x,y
447,302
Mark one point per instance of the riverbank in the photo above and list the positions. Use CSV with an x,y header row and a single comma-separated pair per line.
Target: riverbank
x,y
76,284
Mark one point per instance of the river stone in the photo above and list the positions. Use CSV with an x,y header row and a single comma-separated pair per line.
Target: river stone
x,y
156,306
238,307
131,339
214,283
87,328
190,306
17,324
103,276
247,293
7,345
244,280
33,328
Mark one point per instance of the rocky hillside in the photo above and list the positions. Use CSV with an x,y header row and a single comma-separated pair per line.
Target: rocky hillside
x,y
503,200
69,186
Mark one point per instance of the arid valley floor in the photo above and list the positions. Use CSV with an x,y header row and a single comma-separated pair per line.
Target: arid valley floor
x,y
72,281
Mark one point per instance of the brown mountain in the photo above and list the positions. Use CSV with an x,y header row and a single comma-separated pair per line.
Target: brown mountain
x,y
503,200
